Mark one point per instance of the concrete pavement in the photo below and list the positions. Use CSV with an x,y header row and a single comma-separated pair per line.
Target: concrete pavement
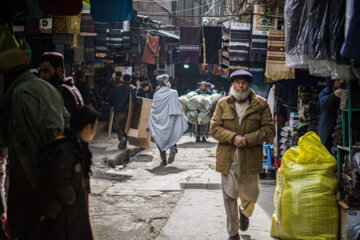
x,y
180,201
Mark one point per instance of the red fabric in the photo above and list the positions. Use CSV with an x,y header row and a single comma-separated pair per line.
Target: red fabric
x,y
61,7
151,50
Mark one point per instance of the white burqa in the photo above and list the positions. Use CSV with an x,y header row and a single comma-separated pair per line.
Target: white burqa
x,y
167,121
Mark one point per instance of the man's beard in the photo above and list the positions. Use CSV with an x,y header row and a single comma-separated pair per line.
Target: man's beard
x,y
55,80
240,96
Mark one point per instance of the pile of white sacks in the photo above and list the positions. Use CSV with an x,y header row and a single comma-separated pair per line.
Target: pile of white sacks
x,y
199,108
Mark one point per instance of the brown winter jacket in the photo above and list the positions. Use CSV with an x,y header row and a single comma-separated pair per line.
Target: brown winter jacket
x,y
256,125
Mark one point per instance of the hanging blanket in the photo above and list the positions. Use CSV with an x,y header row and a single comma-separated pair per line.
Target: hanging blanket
x,y
211,45
189,44
151,50
275,61
114,38
101,50
87,23
258,48
257,69
239,45
89,49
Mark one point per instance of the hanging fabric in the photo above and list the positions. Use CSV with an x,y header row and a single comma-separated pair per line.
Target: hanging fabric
x,y
61,7
126,34
70,24
151,50
211,40
275,60
163,52
189,44
257,69
46,25
89,49
101,50
79,55
87,23
296,32
225,56
114,38
239,45
111,10
351,46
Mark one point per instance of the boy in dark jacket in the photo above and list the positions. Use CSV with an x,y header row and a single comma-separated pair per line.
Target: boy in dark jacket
x,y
144,91
64,184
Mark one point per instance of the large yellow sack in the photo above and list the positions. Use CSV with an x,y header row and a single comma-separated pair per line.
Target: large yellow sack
x,y
305,204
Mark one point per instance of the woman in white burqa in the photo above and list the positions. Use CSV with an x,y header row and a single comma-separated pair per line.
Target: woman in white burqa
x,y
167,121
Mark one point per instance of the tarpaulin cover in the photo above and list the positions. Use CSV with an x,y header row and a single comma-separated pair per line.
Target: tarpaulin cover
x,y
296,32
351,46
305,202
111,10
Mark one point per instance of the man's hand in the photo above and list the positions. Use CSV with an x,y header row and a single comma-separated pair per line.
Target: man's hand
x,y
239,141
338,93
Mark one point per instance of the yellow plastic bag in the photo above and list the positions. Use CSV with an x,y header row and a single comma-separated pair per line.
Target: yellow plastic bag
x,y
305,202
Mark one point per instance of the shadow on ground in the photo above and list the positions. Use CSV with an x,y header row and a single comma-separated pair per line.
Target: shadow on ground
x,y
161,170
143,158
102,173
197,145
208,186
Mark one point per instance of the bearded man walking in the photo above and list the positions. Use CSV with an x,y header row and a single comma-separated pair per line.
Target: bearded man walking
x,y
241,123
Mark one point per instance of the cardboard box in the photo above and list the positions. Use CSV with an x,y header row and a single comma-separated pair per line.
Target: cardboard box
x,y
349,217
137,122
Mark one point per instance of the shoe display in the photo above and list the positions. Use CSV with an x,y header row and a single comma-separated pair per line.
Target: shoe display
x,y
244,221
172,156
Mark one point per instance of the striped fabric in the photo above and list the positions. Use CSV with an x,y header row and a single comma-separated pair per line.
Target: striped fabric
x,y
189,44
275,60
239,45
258,52
101,49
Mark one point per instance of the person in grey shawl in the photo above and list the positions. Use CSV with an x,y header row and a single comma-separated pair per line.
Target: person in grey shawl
x,y
167,121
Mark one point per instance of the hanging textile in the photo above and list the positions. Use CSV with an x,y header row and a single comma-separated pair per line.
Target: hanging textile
x,y
114,38
319,38
163,52
101,50
225,56
257,69
275,61
151,50
67,24
87,23
46,25
211,45
63,38
79,56
339,65
239,45
261,89
61,7
189,44
111,10
126,34
258,48
296,33
351,46
89,49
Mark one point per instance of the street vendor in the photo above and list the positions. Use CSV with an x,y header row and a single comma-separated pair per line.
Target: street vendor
x,y
167,121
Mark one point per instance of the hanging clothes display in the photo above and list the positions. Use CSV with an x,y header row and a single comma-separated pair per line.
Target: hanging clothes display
x,y
275,60
211,45
319,38
114,38
163,52
101,50
296,32
351,46
225,55
61,8
87,23
151,50
239,45
189,44
126,35
339,65
89,49
111,10
257,69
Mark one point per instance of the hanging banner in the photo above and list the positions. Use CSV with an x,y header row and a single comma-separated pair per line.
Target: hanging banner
x,y
263,24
